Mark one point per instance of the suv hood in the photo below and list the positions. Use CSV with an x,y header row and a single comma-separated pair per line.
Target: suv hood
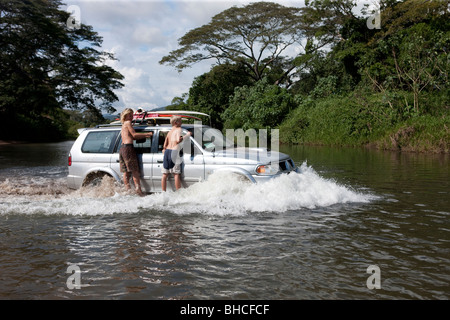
x,y
259,155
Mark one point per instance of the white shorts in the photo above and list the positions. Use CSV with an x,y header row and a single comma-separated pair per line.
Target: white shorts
x,y
175,170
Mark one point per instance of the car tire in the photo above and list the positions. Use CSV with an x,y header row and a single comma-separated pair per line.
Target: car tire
x,y
94,179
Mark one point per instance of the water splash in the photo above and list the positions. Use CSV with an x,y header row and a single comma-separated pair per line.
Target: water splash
x,y
226,194
221,194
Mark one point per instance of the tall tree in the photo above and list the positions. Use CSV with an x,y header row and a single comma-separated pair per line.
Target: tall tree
x,y
261,106
47,65
410,52
256,36
211,92
323,20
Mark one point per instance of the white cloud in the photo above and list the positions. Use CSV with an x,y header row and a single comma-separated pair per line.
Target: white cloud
x,y
148,35
139,33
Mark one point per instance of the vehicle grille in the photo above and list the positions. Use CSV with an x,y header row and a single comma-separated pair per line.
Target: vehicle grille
x,y
286,165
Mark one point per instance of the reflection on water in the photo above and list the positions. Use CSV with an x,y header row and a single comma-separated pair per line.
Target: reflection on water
x,y
34,154
306,236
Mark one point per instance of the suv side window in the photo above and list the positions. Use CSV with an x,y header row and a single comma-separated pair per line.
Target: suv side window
x,y
141,145
99,142
161,138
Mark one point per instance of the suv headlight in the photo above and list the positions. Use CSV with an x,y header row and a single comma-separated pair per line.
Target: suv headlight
x,y
267,169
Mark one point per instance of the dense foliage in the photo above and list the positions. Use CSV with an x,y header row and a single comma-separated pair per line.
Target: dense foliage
x,y
323,73
255,36
348,84
48,66
261,106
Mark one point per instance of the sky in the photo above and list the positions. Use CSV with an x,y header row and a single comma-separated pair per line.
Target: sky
x,y
140,32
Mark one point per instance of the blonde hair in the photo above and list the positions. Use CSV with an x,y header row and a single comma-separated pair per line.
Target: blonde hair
x,y
175,119
125,113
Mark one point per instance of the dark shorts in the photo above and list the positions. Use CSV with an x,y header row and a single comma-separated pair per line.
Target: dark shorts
x,y
171,162
128,159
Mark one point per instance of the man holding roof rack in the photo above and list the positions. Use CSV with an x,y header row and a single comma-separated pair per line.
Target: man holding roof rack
x,y
127,155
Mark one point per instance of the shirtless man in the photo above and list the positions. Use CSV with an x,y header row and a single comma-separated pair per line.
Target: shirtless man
x,y
171,149
127,155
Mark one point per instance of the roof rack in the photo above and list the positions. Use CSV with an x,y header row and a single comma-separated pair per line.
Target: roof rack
x,y
178,112
160,117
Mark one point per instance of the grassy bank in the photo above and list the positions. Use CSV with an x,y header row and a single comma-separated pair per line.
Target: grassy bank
x,y
422,134
370,120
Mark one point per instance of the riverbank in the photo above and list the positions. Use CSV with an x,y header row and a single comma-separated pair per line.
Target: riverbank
x,y
404,138
368,122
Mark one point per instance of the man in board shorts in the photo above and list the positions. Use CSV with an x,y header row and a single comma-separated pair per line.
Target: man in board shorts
x,y
128,158
169,166
172,158
127,155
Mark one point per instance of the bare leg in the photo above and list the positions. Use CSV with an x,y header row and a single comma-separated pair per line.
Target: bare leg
x,y
164,181
126,180
137,183
177,181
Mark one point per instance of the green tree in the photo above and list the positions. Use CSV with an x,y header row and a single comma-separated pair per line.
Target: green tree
x,y
210,93
422,60
47,67
323,20
336,37
178,103
260,106
255,36
409,55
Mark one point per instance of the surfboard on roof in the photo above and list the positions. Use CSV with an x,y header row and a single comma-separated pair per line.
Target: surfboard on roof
x,y
162,117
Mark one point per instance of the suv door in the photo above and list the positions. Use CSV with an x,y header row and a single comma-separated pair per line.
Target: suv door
x,y
144,153
193,169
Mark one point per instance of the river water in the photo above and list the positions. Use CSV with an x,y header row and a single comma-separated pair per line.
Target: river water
x,y
354,224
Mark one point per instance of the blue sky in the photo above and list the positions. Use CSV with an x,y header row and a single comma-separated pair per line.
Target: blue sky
x,y
140,32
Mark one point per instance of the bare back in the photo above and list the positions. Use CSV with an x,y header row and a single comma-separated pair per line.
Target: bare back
x,y
173,138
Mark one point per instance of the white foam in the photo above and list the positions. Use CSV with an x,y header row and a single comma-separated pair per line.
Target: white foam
x,y
221,194
226,194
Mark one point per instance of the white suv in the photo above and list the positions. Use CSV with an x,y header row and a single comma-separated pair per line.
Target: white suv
x,y
95,154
